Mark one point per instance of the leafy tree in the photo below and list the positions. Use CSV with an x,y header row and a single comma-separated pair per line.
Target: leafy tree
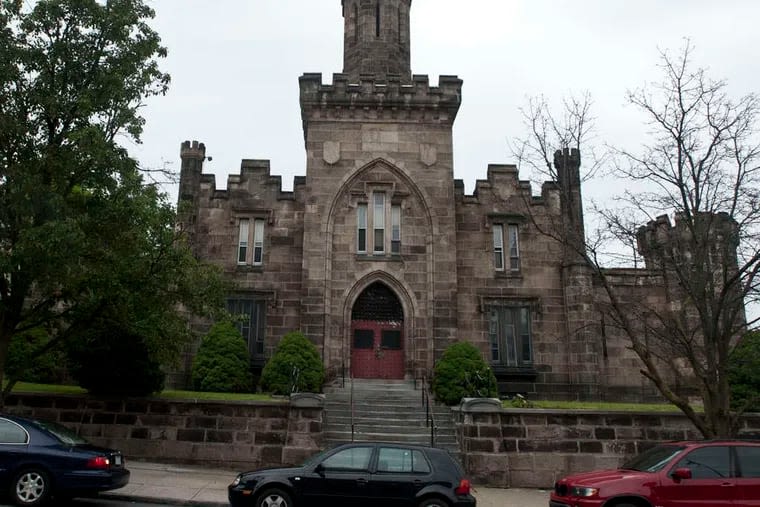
x,y
462,373
295,365
744,373
222,364
25,364
82,237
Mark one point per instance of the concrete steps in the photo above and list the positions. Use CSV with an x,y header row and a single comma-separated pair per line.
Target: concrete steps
x,y
385,411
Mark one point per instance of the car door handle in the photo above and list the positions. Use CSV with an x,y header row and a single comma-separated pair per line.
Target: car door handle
x,y
361,482
727,484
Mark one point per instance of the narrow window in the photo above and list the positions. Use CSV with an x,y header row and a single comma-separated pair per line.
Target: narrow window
x,y
243,241
378,223
377,19
514,248
395,229
258,241
498,247
250,319
509,331
361,228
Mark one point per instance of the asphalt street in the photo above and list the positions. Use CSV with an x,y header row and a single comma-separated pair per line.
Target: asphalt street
x,y
94,502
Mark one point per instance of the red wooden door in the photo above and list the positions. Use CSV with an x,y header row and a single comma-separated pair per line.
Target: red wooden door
x,y
377,349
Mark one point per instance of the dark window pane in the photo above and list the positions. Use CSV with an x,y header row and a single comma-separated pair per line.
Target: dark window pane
x,y
364,339
395,247
356,458
391,339
749,461
362,240
707,463
379,240
420,464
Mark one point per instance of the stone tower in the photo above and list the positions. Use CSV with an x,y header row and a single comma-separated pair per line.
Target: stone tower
x,y
376,38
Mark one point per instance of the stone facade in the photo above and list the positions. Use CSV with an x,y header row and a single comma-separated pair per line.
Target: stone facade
x,y
379,205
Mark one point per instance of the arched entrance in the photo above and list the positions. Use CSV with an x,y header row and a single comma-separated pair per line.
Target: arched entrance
x,y
377,334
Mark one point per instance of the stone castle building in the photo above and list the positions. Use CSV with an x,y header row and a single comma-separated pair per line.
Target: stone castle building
x,y
380,257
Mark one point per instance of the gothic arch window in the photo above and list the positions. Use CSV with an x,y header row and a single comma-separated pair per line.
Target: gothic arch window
x,y
378,302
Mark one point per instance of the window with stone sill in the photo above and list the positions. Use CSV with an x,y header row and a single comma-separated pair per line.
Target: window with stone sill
x,y
247,256
376,220
512,253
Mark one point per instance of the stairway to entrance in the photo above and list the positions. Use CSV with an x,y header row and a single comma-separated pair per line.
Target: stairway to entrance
x,y
385,411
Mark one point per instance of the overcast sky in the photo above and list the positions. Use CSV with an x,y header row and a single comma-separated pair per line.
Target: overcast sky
x,y
235,66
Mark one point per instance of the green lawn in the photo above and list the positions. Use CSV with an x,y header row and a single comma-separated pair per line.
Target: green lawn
x,y
25,387
593,405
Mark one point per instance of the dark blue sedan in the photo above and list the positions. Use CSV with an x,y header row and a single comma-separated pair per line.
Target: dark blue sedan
x,y
41,459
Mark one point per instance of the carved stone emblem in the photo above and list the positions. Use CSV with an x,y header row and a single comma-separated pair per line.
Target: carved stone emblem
x,y
331,152
428,154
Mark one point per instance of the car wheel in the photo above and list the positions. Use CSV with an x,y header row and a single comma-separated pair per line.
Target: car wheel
x,y
274,498
434,502
30,487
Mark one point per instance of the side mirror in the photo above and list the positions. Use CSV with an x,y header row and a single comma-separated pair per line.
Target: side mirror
x,y
680,474
319,469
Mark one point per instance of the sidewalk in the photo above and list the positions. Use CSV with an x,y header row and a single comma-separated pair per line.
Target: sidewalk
x,y
200,487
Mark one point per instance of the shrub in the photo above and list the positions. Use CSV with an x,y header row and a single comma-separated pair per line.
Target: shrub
x,y
462,373
108,361
222,363
293,351
744,373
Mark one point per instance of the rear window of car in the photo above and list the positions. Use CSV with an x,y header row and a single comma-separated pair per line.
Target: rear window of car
x,y
400,460
12,433
749,461
62,433
654,459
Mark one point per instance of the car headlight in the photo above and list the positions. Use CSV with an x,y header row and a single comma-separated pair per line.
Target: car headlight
x,y
583,491
236,481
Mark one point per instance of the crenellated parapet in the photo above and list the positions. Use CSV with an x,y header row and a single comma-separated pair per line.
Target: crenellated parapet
x,y
503,183
660,239
370,97
254,177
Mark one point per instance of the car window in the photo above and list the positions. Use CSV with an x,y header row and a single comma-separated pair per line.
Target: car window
x,y
749,460
12,433
396,460
354,458
62,433
707,463
654,459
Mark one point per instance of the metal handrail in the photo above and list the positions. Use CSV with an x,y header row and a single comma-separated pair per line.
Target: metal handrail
x,y
429,416
351,400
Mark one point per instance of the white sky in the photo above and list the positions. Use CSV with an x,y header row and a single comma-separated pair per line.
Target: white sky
x,y
235,66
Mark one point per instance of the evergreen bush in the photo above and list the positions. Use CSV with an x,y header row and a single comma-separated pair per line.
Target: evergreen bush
x,y
222,363
462,373
744,373
295,366
114,362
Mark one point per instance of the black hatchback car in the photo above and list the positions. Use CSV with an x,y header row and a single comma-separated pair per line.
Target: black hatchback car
x,y
367,474
40,459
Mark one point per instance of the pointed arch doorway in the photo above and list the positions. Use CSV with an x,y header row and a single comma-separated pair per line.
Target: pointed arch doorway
x,y
377,334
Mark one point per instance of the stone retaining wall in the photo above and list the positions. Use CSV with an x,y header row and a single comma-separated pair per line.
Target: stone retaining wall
x,y
532,448
236,435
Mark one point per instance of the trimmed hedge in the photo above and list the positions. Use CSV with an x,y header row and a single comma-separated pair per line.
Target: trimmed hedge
x,y
462,373
294,351
222,363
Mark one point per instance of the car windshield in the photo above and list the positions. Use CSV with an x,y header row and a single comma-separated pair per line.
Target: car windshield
x,y
654,459
62,433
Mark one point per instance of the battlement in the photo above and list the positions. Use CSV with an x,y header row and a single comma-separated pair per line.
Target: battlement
x,y
192,150
256,168
388,94
660,232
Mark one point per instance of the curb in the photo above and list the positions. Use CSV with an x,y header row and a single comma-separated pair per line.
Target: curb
x,y
161,500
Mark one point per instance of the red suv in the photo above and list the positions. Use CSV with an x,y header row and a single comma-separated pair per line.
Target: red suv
x,y
683,474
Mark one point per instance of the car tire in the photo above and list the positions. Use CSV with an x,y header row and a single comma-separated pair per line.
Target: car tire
x,y
434,502
273,497
30,487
